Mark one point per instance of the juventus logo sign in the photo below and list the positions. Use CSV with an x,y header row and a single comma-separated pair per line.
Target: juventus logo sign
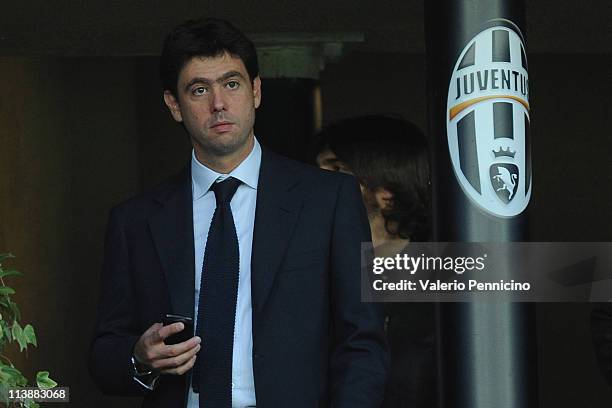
x,y
487,121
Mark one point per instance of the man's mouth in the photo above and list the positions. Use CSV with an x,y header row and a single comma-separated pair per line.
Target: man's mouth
x,y
222,126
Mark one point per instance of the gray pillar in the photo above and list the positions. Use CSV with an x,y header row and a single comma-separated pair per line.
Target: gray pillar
x,y
478,107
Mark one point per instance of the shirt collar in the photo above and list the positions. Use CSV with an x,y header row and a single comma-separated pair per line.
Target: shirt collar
x,y
203,177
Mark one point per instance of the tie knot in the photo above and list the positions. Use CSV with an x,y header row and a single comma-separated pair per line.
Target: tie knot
x,y
224,190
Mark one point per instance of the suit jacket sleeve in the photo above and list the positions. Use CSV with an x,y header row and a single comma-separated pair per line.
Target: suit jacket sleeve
x,y
115,332
360,360
601,330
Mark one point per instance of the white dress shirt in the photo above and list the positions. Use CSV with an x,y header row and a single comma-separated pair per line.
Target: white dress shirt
x,y
243,209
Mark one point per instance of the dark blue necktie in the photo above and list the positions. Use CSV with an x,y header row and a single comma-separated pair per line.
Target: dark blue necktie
x,y
212,373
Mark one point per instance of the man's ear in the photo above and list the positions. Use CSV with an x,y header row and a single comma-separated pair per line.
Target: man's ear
x,y
257,91
173,105
384,198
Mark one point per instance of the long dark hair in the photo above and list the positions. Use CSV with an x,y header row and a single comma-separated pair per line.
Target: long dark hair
x,y
388,152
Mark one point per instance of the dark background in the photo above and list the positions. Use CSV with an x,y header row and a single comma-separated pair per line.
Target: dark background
x,y
83,126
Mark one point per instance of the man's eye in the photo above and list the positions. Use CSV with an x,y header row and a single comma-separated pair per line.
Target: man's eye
x,y
200,90
233,84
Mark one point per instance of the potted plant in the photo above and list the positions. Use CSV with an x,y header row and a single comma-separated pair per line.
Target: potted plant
x,y
12,331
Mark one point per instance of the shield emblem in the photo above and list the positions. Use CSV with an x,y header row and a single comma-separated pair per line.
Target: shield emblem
x,y
504,179
487,121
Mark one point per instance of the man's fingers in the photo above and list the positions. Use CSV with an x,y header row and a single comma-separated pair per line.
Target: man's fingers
x,y
151,351
154,327
169,330
142,349
151,332
172,350
180,370
174,365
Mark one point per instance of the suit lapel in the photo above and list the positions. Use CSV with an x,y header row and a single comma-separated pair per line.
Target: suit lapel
x,y
172,231
278,206
277,210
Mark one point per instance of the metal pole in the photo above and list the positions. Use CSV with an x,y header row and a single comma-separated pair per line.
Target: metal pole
x,y
478,103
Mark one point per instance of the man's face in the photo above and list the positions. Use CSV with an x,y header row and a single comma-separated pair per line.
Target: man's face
x,y
216,102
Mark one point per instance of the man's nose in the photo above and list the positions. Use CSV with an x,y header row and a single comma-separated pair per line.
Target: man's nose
x,y
219,102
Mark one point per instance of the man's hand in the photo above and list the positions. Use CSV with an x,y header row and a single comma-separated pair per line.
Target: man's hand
x,y
176,359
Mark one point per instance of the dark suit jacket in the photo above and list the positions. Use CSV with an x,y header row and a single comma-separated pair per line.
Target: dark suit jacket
x,y
314,343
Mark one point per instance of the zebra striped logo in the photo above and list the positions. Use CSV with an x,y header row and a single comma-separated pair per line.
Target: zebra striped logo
x,y
488,121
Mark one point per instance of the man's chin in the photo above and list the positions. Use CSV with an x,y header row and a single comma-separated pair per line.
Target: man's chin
x,y
224,145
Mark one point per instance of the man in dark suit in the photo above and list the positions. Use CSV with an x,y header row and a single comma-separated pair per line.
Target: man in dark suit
x,y
261,251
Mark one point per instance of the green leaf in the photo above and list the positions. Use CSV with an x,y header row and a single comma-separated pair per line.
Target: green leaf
x,y
6,256
14,309
4,377
14,376
31,404
5,290
30,336
22,381
43,381
4,393
7,332
9,272
19,336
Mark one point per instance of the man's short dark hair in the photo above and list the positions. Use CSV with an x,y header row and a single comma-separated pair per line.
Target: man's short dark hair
x,y
209,37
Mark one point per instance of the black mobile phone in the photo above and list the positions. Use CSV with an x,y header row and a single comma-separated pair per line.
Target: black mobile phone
x,y
183,335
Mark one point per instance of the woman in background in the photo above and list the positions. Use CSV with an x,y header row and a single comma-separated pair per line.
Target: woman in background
x,y
389,158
